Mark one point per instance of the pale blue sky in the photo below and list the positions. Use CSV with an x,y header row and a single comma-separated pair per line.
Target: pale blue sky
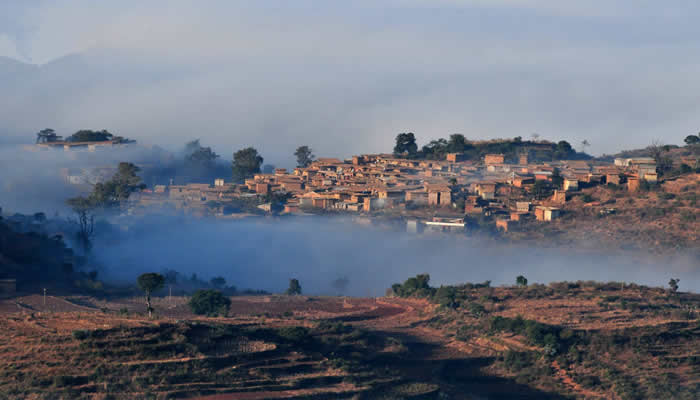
x,y
346,77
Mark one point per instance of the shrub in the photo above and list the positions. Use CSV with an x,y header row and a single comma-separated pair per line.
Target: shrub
x,y
446,296
81,334
415,286
294,334
209,302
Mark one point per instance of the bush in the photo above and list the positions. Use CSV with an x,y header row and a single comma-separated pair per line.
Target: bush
x,y
209,302
81,334
446,296
416,286
294,334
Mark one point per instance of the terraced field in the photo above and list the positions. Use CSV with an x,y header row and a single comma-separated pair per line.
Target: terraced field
x,y
540,342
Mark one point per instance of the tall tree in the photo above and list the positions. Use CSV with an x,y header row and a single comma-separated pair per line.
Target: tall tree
x,y
84,207
149,283
199,155
406,145
47,135
118,189
246,162
294,287
457,143
304,156
435,150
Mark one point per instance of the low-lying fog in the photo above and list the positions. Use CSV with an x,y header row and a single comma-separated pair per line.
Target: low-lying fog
x,y
265,254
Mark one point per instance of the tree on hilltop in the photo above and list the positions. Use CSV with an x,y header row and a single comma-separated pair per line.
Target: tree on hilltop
x,y
47,135
692,139
406,145
246,163
304,156
149,283
521,280
294,287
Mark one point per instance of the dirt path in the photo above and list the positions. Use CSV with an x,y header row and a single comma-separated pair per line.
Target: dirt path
x,y
564,377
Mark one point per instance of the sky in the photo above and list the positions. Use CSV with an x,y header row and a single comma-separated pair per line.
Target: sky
x,y
347,77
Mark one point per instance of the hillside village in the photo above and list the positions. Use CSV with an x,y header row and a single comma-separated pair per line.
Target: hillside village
x,y
498,192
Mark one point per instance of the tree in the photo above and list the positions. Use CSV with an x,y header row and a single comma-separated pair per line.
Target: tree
x,y
86,135
149,283
673,284
84,208
196,154
246,162
563,150
658,152
118,189
435,150
557,179
584,144
447,296
294,287
542,189
304,156
655,150
218,282
521,280
457,143
692,139
406,145
47,136
209,302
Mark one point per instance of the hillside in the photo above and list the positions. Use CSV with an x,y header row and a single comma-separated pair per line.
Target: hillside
x,y
662,219
559,341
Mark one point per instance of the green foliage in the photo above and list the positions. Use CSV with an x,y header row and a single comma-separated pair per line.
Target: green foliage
x,y
563,151
112,192
209,302
81,334
435,150
150,282
516,360
47,136
246,163
416,286
86,135
692,139
446,296
304,156
295,334
673,284
542,189
196,154
294,287
406,145
521,280
540,334
477,310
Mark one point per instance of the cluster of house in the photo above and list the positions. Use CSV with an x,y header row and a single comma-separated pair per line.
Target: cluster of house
x,y
452,187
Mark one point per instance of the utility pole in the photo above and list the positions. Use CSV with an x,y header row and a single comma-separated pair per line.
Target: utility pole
x,y
170,294
44,296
